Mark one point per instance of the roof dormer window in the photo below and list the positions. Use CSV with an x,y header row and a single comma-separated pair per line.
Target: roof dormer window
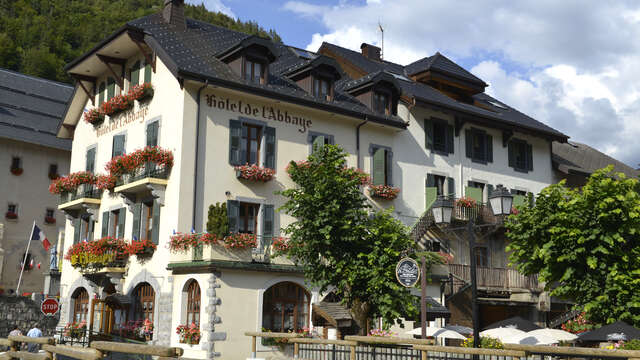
x,y
322,88
253,71
382,102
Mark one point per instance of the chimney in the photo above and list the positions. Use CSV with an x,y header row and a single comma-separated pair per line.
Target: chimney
x,y
370,52
173,13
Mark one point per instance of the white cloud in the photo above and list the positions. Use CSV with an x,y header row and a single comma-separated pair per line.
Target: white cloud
x,y
570,65
214,5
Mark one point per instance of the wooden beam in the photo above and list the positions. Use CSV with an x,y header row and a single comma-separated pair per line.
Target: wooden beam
x,y
470,351
322,341
32,340
506,135
90,94
108,60
574,351
459,123
24,355
148,57
388,340
74,352
5,342
153,350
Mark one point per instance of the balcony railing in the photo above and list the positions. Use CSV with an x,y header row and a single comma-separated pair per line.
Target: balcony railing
x,y
260,253
149,170
498,278
83,191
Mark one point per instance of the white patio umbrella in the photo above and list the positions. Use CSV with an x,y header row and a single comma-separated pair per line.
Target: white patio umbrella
x,y
529,339
557,334
437,333
501,333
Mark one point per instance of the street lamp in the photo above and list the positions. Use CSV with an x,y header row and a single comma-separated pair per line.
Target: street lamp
x,y
501,201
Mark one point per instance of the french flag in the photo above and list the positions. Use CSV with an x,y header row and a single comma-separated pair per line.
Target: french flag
x,y
38,235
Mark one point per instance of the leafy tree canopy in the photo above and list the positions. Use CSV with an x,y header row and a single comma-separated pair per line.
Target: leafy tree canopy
x,y
38,37
340,244
585,244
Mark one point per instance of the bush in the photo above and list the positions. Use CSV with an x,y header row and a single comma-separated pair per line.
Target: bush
x,y
485,343
217,222
632,345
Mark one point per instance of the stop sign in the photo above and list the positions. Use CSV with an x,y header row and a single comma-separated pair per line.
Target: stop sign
x,y
50,306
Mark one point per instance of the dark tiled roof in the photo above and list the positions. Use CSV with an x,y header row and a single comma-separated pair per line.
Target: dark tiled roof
x,y
582,158
441,63
502,113
31,109
193,53
334,309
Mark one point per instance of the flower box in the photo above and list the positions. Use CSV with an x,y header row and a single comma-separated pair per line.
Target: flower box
x,y
142,92
71,183
10,215
75,330
383,192
94,117
49,220
189,334
131,164
53,176
16,171
254,173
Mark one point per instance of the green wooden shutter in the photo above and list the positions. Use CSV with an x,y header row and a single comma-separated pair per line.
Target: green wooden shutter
x,y
135,232
489,190
122,215
91,160
105,224
450,139
152,133
135,74
468,142
378,166
519,200
451,184
474,193
76,230
91,223
431,180
317,143
267,223
235,135
270,147
118,146
389,165
233,215
111,88
529,157
431,191
489,155
155,230
512,155
428,134
101,91
147,73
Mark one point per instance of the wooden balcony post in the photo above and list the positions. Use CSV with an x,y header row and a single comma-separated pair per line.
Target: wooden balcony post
x,y
253,347
296,350
352,354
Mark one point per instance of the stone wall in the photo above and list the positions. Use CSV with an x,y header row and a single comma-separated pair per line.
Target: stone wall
x,y
24,312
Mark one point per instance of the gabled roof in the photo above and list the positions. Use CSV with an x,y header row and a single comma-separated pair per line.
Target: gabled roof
x,y
317,61
442,64
372,78
31,109
575,157
248,42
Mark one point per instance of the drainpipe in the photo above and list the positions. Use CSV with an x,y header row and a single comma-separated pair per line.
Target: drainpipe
x,y
195,167
366,120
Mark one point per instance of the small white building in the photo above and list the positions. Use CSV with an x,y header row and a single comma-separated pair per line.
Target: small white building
x,y
222,99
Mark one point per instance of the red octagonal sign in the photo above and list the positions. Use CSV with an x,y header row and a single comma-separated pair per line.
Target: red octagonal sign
x,y
50,306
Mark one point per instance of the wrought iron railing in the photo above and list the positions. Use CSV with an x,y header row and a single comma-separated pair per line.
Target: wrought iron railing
x,y
260,253
149,170
83,191
500,278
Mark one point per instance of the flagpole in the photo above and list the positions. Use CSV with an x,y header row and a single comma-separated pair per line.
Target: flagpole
x,y
24,260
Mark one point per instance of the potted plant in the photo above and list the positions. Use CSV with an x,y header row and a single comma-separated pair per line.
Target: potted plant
x,y
383,192
50,220
254,173
142,249
142,92
94,117
10,215
75,330
17,171
189,334
465,208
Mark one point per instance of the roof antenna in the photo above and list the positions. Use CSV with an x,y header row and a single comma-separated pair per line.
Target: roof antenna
x,y
382,34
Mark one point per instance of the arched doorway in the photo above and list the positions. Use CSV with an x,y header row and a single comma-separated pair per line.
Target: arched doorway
x,y
144,302
285,307
80,305
192,290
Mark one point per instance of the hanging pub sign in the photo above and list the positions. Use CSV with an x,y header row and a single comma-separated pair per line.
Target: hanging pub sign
x,y
407,272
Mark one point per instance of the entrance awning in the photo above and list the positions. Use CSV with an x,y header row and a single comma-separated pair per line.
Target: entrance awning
x,y
435,310
333,313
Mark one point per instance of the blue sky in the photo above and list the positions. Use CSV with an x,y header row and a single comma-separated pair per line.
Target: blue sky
x,y
571,66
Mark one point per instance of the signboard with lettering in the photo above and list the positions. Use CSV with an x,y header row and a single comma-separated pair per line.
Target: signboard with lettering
x,y
50,306
407,272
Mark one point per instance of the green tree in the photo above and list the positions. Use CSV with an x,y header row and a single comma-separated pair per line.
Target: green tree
x,y
217,222
585,244
340,244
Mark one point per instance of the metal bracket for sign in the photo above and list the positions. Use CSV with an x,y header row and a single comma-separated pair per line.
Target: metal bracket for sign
x,y
407,272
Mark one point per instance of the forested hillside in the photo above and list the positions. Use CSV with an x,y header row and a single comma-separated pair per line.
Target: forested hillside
x,y
38,37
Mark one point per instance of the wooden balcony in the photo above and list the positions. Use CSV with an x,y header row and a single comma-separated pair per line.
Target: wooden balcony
x,y
496,278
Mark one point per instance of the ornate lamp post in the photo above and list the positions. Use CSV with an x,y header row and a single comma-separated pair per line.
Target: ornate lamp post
x,y
501,201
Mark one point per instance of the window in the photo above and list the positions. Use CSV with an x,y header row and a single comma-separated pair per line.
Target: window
x,y
83,228
101,93
146,221
12,208
248,218
113,223
253,71
482,256
479,146
152,133
520,155
381,165
80,305
49,213
53,170
381,103
118,145
26,260
519,197
439,136
322,88
16,162
91,160
317,140
438,185
144,299
134,74
244,217
147,73
111,88
285,308
193,303
247,139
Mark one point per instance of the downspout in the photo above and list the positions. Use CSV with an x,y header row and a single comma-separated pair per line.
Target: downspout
x,y
195,165
366,120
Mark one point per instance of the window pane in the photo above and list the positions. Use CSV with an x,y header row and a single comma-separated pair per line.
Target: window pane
x,y
247,70
257,72
439,137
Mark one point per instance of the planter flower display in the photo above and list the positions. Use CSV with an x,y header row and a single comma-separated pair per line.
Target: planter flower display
x,y
71,182
116,105
142,248
49,220
94,117
11,215
129,163
240,241
106,251
254,173
466,202
16,171
381,333
75,330
181,242
106,182
141,92
280,245
135,329
578,325
384,192
189,334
